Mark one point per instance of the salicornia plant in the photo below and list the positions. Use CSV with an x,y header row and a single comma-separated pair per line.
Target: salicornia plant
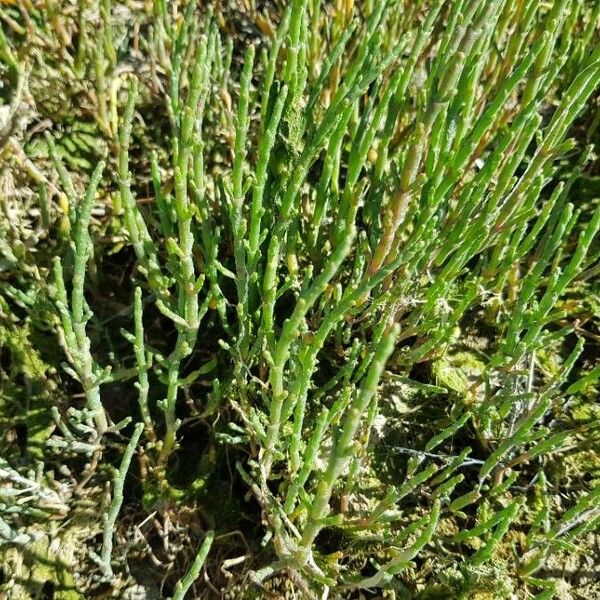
x,y
356,249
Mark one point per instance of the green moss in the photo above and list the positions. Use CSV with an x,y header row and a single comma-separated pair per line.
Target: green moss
x,y
459,372
46,562
27,402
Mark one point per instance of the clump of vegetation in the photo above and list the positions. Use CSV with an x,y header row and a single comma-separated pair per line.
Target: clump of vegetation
x,y
298,299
